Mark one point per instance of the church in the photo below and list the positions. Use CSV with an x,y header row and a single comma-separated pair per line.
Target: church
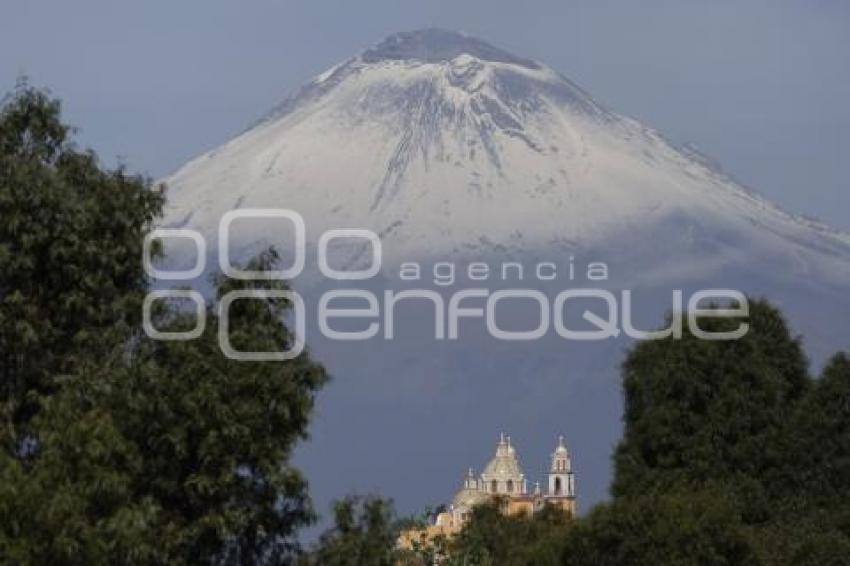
x,y
503,479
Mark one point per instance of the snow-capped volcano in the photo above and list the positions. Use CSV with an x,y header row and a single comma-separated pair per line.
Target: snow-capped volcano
x,y
443,144
452,149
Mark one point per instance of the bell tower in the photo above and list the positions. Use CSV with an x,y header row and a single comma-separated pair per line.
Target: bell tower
x,y
562,487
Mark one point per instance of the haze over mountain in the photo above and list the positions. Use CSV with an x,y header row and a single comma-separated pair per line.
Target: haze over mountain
x,y
452,149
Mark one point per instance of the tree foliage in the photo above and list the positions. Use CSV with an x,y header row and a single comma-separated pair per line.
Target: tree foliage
x,y
118,448
743,421
700,411
492,537
365,531
676,528
70,242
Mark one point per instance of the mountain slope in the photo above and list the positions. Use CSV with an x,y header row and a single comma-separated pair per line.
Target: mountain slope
x,y
443,144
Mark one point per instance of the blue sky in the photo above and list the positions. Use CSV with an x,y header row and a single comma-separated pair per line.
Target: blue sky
x,y
761,85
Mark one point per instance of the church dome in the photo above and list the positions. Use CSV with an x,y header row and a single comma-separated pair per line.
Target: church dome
x,y
504,465
470,497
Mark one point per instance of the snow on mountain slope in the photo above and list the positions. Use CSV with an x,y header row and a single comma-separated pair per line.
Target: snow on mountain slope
x,y
443,144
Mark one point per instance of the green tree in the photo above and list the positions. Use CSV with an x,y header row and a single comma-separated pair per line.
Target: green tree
x,y
701,411
365,531
493,537
677,528
812,519
744,421
821,438
118,448
70,243
800,539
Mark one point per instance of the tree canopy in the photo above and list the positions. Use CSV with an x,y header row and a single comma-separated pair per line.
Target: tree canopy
x,y
117,448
